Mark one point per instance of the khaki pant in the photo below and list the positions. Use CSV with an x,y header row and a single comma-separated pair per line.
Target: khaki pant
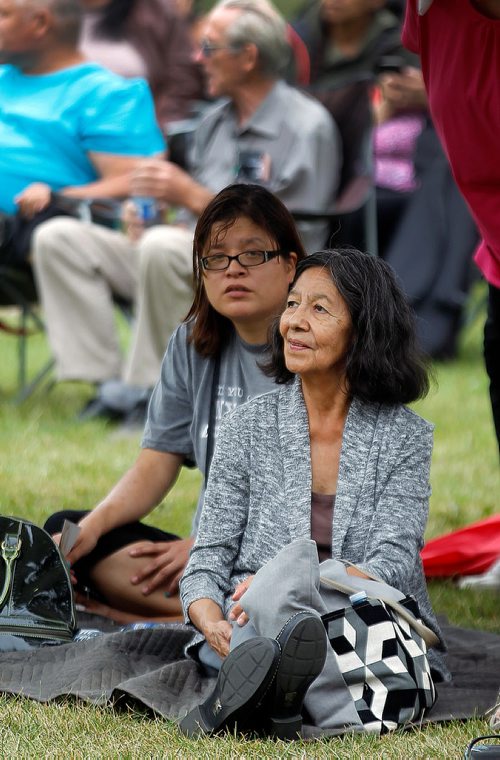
x,y
80,267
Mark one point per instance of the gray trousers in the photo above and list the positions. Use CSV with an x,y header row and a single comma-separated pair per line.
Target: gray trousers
x,y
287,584
79,267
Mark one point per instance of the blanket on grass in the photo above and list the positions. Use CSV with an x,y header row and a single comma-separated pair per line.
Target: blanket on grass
x,y
147,666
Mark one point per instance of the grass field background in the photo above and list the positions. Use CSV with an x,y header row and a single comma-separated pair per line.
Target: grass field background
x,y
49,461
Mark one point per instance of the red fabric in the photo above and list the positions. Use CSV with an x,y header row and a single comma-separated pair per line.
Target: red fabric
x,y
301,57
460,54
469,551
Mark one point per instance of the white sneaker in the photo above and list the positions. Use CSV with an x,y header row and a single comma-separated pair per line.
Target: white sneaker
x,y
495,715
489,579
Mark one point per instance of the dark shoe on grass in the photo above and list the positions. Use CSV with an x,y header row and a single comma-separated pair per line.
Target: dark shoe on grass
x,y
303,652
97,409
244,678
135,419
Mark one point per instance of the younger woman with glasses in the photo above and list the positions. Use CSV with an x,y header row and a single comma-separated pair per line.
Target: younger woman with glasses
x,y
244,254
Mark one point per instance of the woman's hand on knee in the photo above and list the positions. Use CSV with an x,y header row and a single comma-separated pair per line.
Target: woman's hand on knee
x,y
168,560
218,636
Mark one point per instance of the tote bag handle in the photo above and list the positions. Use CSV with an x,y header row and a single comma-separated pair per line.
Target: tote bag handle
x,y
9,550
427,635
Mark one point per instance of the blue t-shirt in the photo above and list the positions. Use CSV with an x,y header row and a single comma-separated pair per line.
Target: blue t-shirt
x,y
50,122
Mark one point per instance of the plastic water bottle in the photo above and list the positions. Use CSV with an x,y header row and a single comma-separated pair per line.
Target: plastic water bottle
x,y
358,598
146,624
141,625
147,209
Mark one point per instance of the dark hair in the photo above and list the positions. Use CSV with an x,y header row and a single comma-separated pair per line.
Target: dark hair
x,y
210,329
113,18
383,364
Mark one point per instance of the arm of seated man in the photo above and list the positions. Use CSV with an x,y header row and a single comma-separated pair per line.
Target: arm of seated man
x,y
114,182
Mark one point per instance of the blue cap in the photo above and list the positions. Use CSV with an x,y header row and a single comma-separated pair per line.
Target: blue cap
x,y
358,597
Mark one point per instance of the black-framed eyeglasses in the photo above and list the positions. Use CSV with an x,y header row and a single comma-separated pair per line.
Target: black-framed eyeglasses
x,y
246,259
207,49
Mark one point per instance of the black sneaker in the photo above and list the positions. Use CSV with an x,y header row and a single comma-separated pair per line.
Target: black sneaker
x,y
244,678
303,653
97,409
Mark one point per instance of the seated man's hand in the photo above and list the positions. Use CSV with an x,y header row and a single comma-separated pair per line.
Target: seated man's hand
x,y
33,199
168,561
156,178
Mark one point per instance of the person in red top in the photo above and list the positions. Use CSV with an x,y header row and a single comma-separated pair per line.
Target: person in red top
x,y
459,46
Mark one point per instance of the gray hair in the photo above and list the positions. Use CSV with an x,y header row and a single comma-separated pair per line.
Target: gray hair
x,y
261,24
67,14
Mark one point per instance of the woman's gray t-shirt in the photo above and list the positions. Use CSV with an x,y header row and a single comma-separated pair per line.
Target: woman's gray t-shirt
x,y
179,410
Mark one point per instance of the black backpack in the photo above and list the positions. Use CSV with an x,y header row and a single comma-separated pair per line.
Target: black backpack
x,y
36,598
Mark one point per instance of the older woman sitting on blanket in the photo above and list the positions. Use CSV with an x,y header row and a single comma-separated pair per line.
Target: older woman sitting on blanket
x,y
333,456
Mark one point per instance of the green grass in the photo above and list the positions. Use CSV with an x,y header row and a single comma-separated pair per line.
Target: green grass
x,y
49,462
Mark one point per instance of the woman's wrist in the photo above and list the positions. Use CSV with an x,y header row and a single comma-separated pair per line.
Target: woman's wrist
x,y
95,523
203,613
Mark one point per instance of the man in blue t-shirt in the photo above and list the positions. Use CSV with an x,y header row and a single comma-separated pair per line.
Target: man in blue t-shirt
x,y
66,125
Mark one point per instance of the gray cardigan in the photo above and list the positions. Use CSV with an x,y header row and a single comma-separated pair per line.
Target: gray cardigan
x,y
258,497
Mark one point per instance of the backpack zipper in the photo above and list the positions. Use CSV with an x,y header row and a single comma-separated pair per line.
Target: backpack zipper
x,y
36,632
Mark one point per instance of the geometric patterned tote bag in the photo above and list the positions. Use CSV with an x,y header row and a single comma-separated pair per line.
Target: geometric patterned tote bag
x,y
381,650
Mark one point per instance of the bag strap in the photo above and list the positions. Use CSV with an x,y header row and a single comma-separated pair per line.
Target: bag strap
x,y
9,550
427,635
212,417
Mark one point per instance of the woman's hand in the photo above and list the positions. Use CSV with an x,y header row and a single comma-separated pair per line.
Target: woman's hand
x,y
33,199
218,636
168,560
237,612
86,540
207,616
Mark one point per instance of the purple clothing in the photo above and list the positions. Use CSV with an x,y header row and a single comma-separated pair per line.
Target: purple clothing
x,y
321,523
394,145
